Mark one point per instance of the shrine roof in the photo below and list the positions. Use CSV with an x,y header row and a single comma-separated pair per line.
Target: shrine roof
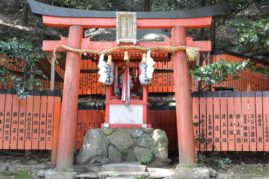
x,y
49,10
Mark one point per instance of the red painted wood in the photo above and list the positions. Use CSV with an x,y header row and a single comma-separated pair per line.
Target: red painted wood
x,y
252,124
245,124
79,132
175,138
50,117
160,78
224,124
7,122
29,123
22,121
265,104
195,118
56,126
217,124
238,123
201,22
202,123
36,122
155,82
209,124
43,122
231,123
183,99
2,118
165,77
15,122
70,100
259,122
145,104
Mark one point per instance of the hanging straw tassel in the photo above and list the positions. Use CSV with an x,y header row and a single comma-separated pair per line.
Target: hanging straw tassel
x,y
109,60
126,56
144,58
192,53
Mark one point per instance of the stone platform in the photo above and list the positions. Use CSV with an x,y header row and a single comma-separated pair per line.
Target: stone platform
x,y
147,146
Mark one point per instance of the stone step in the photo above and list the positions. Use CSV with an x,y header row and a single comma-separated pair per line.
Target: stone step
x,y
124,167
122,174
160,172
87,175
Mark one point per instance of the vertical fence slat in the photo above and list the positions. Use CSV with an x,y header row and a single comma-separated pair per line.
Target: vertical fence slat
x,y
209,121
224,121
15,122
259,121
173,117
238,122
7,122
80,77
158,121
202,122
56,127
195,118
231,122
245,104
36,121
94,82
217,122
28,124
265,104
50,112
22,120
2,117
252,123
43,121
79,129
89,83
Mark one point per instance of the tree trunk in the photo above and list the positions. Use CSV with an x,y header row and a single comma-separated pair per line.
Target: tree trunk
x,y
147,5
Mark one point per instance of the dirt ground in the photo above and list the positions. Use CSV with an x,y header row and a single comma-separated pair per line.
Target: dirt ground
x,y
24,165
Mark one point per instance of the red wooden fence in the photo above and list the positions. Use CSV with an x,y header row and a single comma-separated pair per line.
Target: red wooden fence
x,y
231,121
88,118
31,123
223,121
162,81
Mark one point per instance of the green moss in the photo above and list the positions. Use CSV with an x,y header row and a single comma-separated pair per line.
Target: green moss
x,y
21,174
108,131
255,170
148,158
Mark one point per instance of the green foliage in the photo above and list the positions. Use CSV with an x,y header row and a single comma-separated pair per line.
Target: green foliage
x,y
218,71
21,50
21,174
260,69
223,163
253,34
214,160
124,152
148,158
81,4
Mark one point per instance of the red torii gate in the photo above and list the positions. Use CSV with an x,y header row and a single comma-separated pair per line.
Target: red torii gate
x,y
65,149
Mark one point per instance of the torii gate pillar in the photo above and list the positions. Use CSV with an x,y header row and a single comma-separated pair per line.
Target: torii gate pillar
x,y
183,99
68,121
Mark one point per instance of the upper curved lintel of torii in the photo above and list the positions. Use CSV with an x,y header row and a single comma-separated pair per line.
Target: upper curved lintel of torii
x,y
54,16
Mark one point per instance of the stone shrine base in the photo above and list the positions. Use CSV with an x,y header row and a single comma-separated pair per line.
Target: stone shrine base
x,y
105,145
